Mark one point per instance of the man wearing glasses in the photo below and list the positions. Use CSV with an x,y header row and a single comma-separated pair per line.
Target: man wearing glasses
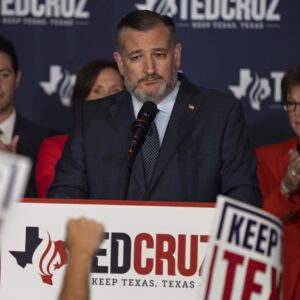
x,y
279,178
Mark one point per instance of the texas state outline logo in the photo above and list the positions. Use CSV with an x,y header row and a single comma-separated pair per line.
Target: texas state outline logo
x,y
51,256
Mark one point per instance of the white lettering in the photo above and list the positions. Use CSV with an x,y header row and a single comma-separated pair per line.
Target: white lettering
x,y
22,8
52,8
229,10
5,9
34,21
271,16
243,10
212,10
61,22
196,10
67,8
277,77
184,9
49,8
11,21
37,10
79,12
258,9
228,13
195,6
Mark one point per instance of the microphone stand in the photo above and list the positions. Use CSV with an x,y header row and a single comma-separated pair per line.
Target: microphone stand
x,y
139,128
132,152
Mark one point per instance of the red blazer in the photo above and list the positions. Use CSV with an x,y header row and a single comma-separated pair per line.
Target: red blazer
x,y
272,161
50,152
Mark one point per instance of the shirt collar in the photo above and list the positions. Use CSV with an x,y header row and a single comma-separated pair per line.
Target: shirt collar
x,y
7,128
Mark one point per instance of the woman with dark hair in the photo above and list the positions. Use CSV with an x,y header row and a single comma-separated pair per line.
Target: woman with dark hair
x,y
95,80
279,177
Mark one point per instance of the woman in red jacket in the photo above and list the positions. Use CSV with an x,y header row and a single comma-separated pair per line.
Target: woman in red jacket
x,y
97,79
279,176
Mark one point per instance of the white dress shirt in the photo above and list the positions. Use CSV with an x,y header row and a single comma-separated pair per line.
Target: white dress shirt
x,y
165,108
7,128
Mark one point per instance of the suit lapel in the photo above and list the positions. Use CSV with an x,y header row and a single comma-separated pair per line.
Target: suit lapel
x,y
123,117
20,129
179,127
138,173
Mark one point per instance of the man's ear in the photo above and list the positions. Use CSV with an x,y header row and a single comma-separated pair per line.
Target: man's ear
x,y
177,54
119,60
18,78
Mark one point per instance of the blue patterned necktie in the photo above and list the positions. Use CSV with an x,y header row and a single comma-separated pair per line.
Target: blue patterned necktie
x,y
150,151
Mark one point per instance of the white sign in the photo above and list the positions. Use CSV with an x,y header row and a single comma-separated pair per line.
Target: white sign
x,y
244,256
14,173
151,251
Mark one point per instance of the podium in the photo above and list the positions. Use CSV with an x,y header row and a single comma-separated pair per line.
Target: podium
x,y
152,250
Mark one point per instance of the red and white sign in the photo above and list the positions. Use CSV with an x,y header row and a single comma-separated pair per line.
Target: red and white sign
x,y
151,250
244,257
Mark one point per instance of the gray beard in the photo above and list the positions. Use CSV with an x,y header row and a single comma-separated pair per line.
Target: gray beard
x,y
143,97
164,91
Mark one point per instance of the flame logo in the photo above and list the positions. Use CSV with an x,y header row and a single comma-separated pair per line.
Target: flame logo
x,y
259,91
66,89
52,260
61,82
164,7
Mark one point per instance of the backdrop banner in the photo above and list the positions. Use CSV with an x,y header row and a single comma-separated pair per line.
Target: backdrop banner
x,y
240,47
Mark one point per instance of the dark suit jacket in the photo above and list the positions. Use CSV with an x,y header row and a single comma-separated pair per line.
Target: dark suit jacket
x,y
205,152
31,136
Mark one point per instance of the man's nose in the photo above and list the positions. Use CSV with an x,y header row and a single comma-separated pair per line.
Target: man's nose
x,y
105,93
150,67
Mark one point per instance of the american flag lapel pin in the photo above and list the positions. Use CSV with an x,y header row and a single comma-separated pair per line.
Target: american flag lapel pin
x,y
191,106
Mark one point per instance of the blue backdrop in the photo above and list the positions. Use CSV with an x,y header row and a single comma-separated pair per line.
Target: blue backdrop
x,y
241,47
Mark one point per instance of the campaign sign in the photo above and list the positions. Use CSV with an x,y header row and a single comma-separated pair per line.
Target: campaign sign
x,y
14,173
244,258
151,250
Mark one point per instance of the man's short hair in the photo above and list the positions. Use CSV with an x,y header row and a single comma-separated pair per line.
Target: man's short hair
x,y
290,79
144,20
9,48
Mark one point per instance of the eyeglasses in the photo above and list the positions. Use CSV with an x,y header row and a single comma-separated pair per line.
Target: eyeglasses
x,y
290,105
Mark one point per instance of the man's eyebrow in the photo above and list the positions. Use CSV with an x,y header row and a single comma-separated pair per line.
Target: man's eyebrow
x,y
160,49
5,69
135,52
138,51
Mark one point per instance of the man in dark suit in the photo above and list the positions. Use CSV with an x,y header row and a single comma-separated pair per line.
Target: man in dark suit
x,y
203,143
17,134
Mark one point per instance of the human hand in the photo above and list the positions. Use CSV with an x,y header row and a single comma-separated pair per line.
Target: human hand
x,y
12,147
291,180
84,236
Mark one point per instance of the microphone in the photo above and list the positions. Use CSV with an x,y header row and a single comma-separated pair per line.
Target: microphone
x,y
141,125
139,129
